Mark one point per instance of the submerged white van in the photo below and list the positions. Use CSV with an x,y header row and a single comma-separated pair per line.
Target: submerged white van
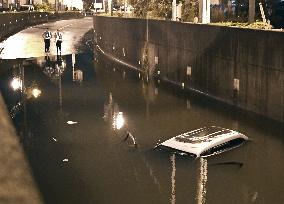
x,y
204,142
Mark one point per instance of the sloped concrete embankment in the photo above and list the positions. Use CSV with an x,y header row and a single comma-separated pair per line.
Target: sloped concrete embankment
x,y
16,182
11,23
240,67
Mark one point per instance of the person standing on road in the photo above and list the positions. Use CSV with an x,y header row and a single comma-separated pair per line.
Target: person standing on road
x,y
58,40
46,36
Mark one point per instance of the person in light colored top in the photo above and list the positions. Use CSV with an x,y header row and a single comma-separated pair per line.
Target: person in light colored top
x,y
47,36
58,40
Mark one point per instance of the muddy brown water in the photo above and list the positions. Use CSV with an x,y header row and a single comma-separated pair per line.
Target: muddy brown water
x,y
73,134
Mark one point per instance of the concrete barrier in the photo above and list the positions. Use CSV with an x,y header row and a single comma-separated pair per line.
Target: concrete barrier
x,y
240,67
11,23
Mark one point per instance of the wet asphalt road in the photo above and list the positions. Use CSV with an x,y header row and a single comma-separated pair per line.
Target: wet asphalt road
x,y
29,42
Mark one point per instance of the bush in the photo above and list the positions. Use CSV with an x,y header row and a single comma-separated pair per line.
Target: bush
x,y
162,9
255,25
43,7
189,11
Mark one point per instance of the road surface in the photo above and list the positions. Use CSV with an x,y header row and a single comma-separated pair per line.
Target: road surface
x,y
29,42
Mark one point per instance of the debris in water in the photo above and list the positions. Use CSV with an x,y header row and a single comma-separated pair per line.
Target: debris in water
x,y
254,197
70,122
129,135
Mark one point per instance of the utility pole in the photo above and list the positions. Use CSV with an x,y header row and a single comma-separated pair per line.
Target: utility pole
x,y
109,5
251,11
125,7
56,5
204,11
174,12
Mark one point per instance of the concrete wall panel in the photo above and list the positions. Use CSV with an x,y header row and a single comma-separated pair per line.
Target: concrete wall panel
x,y
217,55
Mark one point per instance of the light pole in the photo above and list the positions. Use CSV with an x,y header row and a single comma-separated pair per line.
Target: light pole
x,y
56,5
174,7
109,7
204,11
251,11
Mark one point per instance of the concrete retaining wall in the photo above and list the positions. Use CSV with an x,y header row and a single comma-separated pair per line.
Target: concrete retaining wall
x,y
11,23
241,67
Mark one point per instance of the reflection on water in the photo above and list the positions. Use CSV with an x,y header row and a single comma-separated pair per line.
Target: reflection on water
x,y
188,104
76,73
15,109
54,66
78,76
202,180
108,108
16,83
173,179
118,120
35,92
76,159
152,174
48,69
21,87
112,114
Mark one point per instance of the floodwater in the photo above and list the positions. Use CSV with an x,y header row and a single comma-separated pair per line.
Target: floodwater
x,y
73,130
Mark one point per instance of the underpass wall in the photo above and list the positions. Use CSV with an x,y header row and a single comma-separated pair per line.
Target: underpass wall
x,y
240,67
11,23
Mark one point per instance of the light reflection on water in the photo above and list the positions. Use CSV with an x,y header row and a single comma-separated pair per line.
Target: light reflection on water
x,y
102,168
173,179
112,114
202,180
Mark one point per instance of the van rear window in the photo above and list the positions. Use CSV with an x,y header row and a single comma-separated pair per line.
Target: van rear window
x,y
223,147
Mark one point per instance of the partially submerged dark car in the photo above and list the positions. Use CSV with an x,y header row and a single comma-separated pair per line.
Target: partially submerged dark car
x,y
204,142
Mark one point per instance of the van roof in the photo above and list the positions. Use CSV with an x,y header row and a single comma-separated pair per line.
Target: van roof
x,y
199,140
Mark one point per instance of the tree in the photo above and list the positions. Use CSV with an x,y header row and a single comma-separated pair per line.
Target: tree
x,y
141,7
44,7
154,8
189,10
162,9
